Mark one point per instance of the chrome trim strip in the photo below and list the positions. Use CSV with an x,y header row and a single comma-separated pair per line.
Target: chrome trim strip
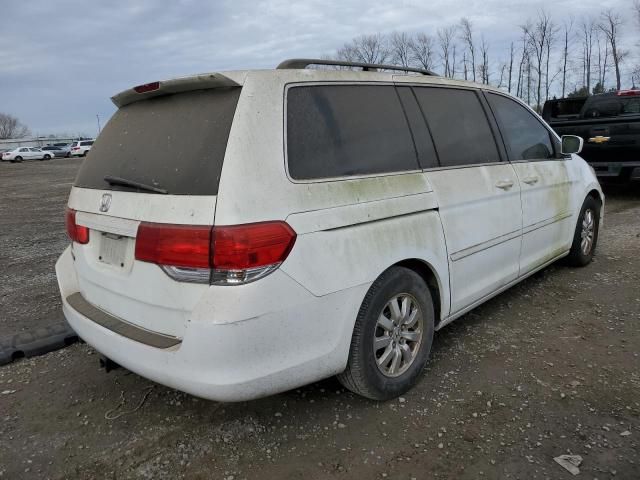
x,y
447,320
116,325
544,223
460,254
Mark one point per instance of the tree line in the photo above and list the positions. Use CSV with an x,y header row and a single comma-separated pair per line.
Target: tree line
x,y
576,57
11,127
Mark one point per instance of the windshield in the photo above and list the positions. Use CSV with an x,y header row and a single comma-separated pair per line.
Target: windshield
x,y
174,142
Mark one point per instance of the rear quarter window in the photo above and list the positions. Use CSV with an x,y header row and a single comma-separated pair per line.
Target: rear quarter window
x,y
174,142
346,130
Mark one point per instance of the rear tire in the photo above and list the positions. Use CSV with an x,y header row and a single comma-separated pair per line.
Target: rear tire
x,y
392,336
585,236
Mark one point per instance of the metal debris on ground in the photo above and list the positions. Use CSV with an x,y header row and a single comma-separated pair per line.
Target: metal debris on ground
x,y
108,415
569,463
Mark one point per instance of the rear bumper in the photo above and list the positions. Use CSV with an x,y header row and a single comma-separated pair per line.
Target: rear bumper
x,y
241,343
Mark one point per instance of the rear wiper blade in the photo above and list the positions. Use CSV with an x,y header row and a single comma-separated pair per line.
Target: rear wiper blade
x,y
132,183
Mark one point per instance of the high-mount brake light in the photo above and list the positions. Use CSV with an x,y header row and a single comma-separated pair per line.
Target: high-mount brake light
x,y
147,87
221,255
628,93
77,233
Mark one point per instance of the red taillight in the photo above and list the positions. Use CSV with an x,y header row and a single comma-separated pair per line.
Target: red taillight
x,y
77,233
241,247
147,87
232,254
628,93
175,245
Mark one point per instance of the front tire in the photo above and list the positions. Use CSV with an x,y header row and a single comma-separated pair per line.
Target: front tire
x,y
392,336
585,236
18,159
47,157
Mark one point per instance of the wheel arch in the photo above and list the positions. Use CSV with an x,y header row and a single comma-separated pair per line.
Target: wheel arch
x,y
595,194
431,278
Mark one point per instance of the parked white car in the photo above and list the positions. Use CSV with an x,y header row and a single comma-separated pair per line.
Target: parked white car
x,y
26,153
80,148
262,230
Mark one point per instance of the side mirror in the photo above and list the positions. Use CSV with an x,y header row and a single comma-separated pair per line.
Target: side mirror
x,y
571,144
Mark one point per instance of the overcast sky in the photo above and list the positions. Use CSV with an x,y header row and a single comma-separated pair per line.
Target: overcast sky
x,y
60,61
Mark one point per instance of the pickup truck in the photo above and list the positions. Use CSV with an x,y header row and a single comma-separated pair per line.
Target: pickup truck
x,y
609,124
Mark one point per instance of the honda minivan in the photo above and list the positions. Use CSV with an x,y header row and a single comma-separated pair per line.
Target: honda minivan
x,y
238,234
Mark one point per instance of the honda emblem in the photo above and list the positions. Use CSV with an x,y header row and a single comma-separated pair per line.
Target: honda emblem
x,y
105,202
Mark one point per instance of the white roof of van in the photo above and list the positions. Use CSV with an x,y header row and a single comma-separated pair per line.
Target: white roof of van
x,y
238,77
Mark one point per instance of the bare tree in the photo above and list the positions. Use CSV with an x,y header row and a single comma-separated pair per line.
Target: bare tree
x,y
511,55
422,51
465,71
551,38
366,48
636,71
568,27
11,127
483,68
603,56
445,42
610,25
503,70
539,35
466,32
528,69
454,48
588,28
523,59
400,45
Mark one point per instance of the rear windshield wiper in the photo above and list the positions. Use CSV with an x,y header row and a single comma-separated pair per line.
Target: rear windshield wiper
x,y
132,183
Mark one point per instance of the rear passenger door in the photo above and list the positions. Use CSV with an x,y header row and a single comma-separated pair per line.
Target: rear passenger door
x,y
546,182
478,194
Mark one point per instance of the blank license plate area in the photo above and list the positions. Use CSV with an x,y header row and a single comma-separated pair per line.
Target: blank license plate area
x,y
113,249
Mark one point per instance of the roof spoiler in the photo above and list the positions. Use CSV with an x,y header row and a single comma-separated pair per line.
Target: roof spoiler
x,y
177,85
302,63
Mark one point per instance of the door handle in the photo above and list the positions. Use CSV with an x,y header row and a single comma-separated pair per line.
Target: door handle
x,y
530,180
504,184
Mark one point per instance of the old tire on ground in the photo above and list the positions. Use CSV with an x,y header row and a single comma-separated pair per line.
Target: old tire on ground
x,y
585,236
392,336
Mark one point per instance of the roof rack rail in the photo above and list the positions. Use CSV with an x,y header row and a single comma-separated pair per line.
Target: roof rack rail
x,y
302,63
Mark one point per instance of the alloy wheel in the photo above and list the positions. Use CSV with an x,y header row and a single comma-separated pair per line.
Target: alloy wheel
x,y
398,335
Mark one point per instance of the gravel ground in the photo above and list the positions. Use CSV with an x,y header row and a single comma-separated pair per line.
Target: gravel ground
x,y
550,367
33,195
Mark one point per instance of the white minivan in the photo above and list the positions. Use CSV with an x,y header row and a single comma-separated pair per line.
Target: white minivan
x,y
243,233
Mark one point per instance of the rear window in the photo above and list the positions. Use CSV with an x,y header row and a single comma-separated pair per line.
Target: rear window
x,y
345,130
84,144
174,142
564,109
